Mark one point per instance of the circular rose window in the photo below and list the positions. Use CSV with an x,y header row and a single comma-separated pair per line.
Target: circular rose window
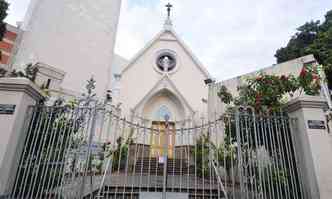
x,y
166,62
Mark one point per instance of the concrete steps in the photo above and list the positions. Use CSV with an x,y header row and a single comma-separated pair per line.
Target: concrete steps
x,y
153,167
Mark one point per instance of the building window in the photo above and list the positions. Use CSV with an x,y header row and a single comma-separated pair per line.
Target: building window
x,y
163,113
166,62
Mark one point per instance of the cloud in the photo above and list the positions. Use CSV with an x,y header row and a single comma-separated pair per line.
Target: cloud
x,y
229,37
17,9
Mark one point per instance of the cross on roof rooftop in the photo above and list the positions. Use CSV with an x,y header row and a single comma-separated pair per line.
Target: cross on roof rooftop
x,y
169,8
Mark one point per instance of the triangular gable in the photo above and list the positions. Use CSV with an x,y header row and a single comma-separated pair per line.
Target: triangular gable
x,y
182,44
156,88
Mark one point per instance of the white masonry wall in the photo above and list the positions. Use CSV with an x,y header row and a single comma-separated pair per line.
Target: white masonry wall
x,y
77,37
294,67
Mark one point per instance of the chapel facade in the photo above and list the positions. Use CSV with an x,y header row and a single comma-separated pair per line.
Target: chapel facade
x,y
164,81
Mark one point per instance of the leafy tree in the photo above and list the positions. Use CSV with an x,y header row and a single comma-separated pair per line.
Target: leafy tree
x,y
3,14
328,21
297,45
322,49
311,38
224,96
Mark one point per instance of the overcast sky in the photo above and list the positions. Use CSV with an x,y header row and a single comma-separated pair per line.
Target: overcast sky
x,y
229,37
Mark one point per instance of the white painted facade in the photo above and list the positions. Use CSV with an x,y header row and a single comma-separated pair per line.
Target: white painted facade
x,y
49,77
312,145
292,67
145,90
77,37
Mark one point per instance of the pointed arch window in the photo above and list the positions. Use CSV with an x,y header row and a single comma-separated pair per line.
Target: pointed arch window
x,y
163,113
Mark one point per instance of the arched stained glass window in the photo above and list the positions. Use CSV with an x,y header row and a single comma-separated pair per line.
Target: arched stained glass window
x,y
163,113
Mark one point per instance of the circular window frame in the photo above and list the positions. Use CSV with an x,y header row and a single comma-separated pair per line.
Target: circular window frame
x,y
162,53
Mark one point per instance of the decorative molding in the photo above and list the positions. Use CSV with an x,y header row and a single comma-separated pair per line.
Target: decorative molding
x,y
306,102
167,39
21,85
154,90
58,71
181,43
174,54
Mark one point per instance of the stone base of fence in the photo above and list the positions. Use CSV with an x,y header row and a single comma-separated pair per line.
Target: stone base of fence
x,y
313,145
16,95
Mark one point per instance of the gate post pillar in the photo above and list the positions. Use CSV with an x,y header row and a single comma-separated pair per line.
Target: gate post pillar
x,y
312,145
16,95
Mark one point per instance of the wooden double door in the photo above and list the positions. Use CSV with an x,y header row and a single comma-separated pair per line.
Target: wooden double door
x,y
162,139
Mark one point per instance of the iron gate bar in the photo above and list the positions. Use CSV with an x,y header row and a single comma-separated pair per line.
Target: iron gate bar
x,y
290,165
238,137
260,191
282,154
236,156
268,167
30,160
69,143
25,150
39,158
298,169
195,134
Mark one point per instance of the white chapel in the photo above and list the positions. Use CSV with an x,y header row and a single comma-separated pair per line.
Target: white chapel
x,y
164,80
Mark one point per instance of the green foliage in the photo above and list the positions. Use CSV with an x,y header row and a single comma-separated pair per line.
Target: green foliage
x,y
275,180
266,92
224,95
328,21
309,80
97,162
54,132
119,154
295,48
322,49
275,176
312,38
226,153
3,14
30,72
202,153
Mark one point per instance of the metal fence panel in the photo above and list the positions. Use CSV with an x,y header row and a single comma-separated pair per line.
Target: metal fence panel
x,y
95,153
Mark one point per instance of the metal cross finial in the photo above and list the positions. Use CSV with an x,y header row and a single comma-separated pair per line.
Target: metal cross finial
x,y
169,7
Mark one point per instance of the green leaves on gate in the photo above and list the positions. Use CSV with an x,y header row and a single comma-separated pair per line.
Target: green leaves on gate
x,y
201,152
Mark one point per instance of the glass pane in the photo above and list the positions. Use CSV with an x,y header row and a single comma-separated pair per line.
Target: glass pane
x,y
163,113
